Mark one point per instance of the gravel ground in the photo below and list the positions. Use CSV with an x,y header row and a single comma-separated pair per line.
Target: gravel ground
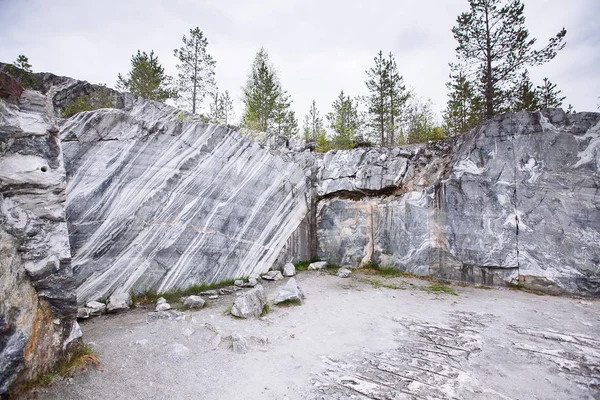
x,y
352,338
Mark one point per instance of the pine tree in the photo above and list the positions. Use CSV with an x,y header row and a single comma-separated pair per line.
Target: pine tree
x,y
494,45
267,106
221,108
344,122
397,98
196,69
421,125
378,83
21,71
548,96
313,124
463,110
526,98
147,78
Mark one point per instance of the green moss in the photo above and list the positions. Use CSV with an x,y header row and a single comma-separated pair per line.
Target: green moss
x,y
303,265
289,302
266,309
440,289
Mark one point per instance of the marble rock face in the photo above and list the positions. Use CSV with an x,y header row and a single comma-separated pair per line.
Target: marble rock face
x,y
159,204
38,305
515,200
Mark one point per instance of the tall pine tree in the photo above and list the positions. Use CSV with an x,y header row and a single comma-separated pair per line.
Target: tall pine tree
x,y
397,97
313,124
344,122
526,97
463,110
549,96
378,83
147,78
267,106
494,45
196,68
221,108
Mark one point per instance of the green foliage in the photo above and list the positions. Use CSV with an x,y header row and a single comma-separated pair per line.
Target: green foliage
x,y
344,122
548,96
221,108
99,97
22,72
420,122
494,46
266,309
303,265
147,78
196,77
313,130
526,98
289,303
150,297
437,289
386,100
463,110
267,105
80,358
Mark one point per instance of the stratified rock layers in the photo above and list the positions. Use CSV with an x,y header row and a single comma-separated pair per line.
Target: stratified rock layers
x,y
37,292
517,200
156,204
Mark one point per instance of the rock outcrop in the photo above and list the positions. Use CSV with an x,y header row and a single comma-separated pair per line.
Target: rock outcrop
x,y
37,291
516,200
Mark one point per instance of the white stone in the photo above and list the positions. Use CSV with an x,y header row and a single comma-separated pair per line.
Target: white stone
x,y
289,269
317,265
118,302
194,302
344,272
250,304
289,292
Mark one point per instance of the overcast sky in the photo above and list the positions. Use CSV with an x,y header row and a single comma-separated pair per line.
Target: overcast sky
x,y
319,47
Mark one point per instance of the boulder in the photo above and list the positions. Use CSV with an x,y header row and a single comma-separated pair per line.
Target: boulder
x,y
250,304
252,281
290,292
289,269
161,300
194,302
317,265
239,343
273,276
83,313
96,308
171,315
162,306
238,282
344,272
118,302
209,293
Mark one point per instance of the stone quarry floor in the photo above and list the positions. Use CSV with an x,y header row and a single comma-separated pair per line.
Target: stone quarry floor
x,y
353,339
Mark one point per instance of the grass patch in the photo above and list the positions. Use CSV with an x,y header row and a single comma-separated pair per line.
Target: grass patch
x,y
228,310
289,303
79,359
436,289
303,265
266,309
150,297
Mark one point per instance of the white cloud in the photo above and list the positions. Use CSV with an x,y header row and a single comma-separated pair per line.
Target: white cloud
x,y
319,47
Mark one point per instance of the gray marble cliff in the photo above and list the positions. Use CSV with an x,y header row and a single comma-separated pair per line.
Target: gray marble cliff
x,y
38,303
157,201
